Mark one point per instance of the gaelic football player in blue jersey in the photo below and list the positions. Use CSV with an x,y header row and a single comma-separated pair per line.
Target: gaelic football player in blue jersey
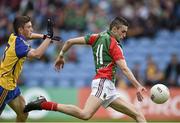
x,y
16,52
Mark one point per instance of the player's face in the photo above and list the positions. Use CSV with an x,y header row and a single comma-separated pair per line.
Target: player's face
x,y
27,30
122,31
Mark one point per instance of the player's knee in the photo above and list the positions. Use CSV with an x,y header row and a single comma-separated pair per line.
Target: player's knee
x,y
86,116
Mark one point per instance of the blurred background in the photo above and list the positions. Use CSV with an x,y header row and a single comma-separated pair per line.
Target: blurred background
x,y
151,49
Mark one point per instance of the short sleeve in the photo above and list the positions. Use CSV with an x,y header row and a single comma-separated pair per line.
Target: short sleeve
x,y
21,48
90,39
115,50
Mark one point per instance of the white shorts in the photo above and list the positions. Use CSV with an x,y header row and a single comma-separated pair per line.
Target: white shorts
x,y
105,90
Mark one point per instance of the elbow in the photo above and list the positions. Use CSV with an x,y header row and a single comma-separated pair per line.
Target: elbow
x,y
36,54
69,43
124,69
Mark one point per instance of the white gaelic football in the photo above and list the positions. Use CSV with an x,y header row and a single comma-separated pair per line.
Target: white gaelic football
x,y
159,93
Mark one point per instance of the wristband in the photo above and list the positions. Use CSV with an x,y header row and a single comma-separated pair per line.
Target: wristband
x,y
61,54
44,36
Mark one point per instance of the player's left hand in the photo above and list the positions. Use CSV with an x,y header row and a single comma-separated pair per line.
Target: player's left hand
x,y
140,92
50,32
59,63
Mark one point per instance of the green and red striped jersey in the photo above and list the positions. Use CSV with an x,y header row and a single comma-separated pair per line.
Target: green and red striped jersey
x,y
106,51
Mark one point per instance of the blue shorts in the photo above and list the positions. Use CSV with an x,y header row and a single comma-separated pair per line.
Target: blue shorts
x,y
7,95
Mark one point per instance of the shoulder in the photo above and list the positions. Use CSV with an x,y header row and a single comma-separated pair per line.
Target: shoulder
x,y
12,38
21,41
113,42
91,38
22,47
94,37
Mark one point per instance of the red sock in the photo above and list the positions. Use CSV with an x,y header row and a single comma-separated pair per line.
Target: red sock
x,y
49,106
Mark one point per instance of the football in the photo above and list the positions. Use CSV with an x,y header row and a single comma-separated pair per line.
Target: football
x,y
159,93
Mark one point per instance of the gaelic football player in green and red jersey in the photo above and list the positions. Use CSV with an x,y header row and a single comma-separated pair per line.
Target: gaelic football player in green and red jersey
x,y
107,55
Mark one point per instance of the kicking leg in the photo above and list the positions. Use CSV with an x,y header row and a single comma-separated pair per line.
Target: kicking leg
x,y
92,105
18,105
128,109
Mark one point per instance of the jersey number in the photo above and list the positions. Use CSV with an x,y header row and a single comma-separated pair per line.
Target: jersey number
x,y
99,54
7,47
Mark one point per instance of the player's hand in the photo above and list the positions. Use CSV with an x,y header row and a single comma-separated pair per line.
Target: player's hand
x,y
59,63
140,92
49,29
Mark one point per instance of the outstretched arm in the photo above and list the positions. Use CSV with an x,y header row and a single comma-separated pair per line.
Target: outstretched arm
x,y
59,63
127,72
49,33
69,43
37,36
37,53
43,36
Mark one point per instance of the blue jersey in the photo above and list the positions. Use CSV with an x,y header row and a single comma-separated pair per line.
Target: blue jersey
x,y
12,63
10,68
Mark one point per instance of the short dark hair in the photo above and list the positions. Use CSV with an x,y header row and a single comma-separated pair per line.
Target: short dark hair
x,y
20,21
117,22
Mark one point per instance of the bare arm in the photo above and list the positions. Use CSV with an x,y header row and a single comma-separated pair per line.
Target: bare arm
x,y
59,63
37,53
36,36
69,43
127,72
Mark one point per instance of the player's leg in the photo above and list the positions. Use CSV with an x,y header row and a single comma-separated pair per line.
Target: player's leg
x,y
93,102
3,99
92,105
127,108
18,105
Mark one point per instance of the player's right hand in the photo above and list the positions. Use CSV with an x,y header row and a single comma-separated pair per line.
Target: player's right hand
x,y
59,63
140,92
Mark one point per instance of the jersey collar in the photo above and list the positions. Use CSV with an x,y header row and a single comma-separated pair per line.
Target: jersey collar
x,y
110,33
21,36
